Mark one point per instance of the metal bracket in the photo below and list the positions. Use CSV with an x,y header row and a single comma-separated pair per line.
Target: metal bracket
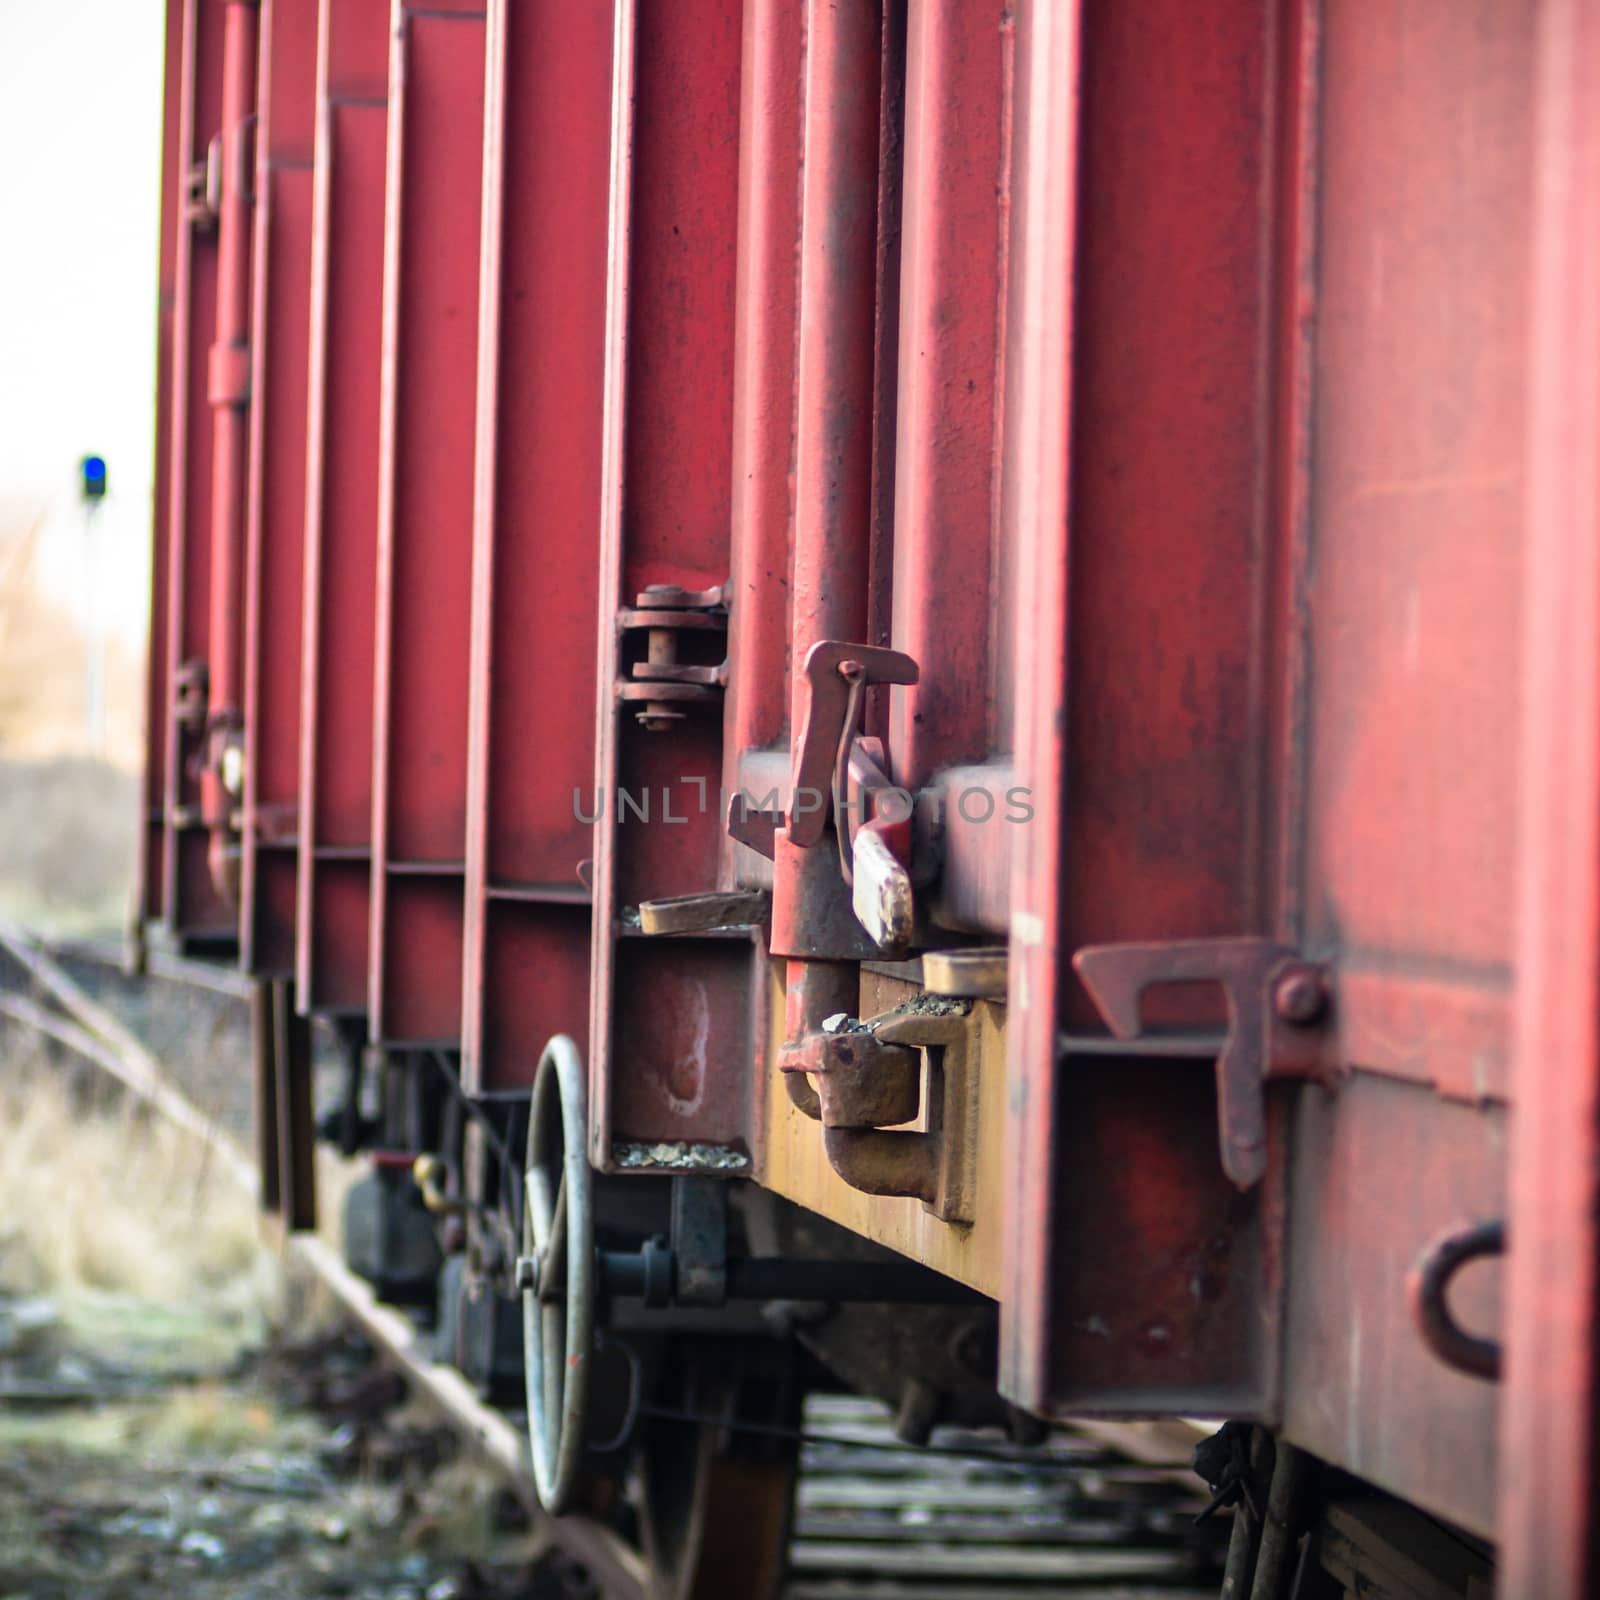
x,y
191,693
977,974
700,1239
1276,1003
202,188
704,912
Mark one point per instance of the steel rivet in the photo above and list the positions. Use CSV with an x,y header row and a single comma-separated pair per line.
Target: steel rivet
x,y
1300,995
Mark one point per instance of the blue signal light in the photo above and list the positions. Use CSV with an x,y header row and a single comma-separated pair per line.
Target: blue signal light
x,y
92,470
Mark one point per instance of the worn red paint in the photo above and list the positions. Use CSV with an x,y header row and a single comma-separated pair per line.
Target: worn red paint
x,y
535,527
152,835
231,161
664,519
424,554
335,778
193,910
1547,1468
276,499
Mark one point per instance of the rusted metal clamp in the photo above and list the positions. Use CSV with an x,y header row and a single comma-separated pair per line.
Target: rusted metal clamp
x,y
1276,1004
868,1078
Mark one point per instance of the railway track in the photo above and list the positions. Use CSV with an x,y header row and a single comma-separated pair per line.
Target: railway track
x,y
873,1519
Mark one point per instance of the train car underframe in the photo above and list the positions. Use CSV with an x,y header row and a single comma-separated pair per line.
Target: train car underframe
x,y
663,1329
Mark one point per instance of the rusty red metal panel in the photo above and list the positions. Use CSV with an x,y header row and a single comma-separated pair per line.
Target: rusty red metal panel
x,y
274,568
152,838
1379,1171
756,716
335,768
535,537
1403,851
1547,1520
425,496
836,344
951,609
1415,510
194,910
842,484
947,423
1144,746
665,522
231,177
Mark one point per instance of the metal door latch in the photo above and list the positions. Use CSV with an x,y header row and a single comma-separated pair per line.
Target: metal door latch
x,y
1277,1005
838,675
841,772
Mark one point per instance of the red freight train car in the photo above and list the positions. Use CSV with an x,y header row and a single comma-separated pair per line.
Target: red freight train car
x,y
960,637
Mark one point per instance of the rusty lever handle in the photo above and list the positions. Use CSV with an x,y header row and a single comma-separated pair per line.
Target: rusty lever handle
x,y
836,673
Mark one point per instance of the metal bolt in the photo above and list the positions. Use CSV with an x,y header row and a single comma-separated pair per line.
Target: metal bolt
x,y
658,718
661,649
527,1275
1300,995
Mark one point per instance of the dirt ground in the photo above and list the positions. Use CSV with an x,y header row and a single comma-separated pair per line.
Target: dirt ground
x,y
175,1419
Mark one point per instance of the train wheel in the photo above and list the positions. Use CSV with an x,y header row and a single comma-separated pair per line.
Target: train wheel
x,y
714,1503
556,1273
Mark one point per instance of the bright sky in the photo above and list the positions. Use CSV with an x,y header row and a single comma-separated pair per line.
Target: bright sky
x,y
80,132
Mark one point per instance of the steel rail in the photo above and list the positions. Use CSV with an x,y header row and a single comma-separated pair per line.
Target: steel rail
x,y
137,959
118,1051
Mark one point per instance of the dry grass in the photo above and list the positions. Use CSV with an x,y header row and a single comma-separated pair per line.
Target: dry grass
x,y
126,1222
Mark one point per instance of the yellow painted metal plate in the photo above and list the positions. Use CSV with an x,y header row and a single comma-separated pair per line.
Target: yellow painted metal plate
x,y
796,1165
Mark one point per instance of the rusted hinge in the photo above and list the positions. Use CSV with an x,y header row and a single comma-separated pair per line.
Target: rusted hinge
x,y
664,682
1278,1005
